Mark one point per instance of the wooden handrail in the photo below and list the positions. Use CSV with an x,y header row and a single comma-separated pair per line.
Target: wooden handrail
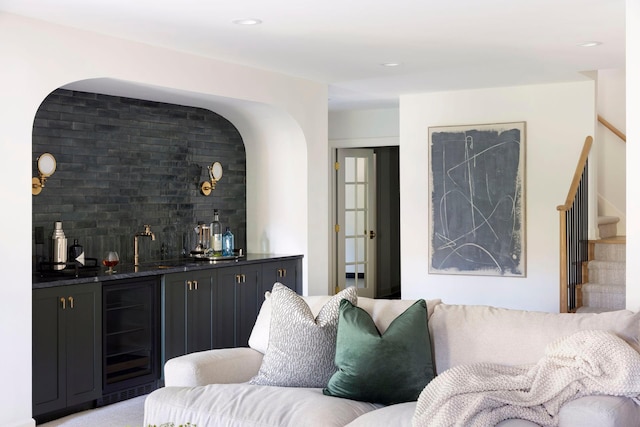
x,y
612,128
577,174
563,209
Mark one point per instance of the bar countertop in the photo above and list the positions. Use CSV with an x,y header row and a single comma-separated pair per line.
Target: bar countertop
x,y
97,273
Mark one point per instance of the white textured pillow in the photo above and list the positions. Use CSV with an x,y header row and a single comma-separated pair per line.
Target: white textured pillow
x,y
259,338
302,347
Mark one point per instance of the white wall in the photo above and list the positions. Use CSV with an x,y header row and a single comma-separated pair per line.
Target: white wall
x,y
282,119
612,171
633,154
558,119
368,124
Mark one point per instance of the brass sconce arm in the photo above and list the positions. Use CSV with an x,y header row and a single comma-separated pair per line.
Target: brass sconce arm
x,y
215,173
46,168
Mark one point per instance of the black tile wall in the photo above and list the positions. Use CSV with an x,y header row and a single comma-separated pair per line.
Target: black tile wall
x,y
123,163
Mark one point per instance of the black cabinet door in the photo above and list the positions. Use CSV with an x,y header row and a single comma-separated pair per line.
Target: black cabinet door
x,y
84,345
199,312
187,313
49,370
174,315
247,297
67,346
224,308
236,304
288,272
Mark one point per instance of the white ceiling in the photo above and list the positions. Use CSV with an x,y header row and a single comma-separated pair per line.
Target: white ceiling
x,y
440,44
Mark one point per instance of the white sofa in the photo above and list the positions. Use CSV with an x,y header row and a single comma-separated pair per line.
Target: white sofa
x,y
210,388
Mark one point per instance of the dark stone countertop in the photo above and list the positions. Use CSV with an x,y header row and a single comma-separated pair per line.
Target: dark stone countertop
x,y
154,268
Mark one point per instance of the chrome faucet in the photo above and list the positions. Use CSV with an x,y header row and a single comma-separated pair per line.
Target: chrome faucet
x,y
146,233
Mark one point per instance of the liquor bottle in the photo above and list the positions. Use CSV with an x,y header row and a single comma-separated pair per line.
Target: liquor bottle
x,y
216,234
227,243
76,253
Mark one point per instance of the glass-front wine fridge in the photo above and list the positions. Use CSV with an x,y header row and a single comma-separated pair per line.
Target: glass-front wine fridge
x,y
131,346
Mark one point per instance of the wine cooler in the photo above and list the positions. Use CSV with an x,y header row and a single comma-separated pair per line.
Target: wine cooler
x,y
131,346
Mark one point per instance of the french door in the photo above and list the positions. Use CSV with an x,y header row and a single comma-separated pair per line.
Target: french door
x,y
356,220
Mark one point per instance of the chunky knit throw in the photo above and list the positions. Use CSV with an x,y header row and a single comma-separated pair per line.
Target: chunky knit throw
x,y
585,363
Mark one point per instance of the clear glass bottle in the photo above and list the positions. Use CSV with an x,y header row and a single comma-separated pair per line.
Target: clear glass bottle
x,y
227,243
216,234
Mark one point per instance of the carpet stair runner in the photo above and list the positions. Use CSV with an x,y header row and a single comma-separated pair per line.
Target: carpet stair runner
x,y
605,289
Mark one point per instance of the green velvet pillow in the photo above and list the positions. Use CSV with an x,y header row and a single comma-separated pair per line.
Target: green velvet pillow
x,y
390,368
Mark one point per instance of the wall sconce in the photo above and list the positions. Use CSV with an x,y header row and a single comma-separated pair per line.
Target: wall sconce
x,y
215,173
46,168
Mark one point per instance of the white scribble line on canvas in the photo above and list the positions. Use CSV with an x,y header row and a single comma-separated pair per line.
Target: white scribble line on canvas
x,y
451,243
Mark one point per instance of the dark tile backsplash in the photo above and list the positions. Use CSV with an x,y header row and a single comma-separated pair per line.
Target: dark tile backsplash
x,y
123,163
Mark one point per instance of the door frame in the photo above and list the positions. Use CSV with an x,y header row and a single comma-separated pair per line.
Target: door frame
x,y
333,145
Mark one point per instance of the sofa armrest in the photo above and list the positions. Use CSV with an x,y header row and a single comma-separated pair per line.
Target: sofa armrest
x,y
220,366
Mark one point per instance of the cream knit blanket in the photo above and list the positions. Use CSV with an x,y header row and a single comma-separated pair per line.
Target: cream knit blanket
x,y
585,363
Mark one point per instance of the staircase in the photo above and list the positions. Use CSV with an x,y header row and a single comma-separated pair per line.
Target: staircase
x,y
605,287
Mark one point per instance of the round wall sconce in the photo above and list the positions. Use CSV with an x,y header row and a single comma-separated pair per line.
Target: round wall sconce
x,y
46,168
215,173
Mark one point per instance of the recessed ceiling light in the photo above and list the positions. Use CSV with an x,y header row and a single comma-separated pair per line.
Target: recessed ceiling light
x,y
589,44
390,64
248,21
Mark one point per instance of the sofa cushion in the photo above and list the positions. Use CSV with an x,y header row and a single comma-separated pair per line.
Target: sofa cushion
x,y
400,415
249,405
601,411
387,368
301,347
382,311
465,334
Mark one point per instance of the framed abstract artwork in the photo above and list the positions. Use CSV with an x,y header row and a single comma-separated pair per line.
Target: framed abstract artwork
x,y
477,199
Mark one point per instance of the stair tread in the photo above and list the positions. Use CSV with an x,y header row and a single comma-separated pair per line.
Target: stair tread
x,y
607,265
600,287
603,220
614,240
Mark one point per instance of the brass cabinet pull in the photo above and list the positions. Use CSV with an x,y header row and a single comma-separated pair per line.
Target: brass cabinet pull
x,y
195,284
71,302
238,278
244,278
190,285
282,272
64,303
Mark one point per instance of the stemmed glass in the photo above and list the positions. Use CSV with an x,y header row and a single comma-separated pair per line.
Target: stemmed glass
x,y
110,260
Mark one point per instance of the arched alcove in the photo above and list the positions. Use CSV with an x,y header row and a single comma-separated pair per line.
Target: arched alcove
x,y
275,159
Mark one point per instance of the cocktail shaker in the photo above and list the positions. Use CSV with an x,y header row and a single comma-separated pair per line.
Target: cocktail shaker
x,y
58,247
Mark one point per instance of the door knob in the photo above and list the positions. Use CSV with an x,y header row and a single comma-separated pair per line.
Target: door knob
x,y
372,234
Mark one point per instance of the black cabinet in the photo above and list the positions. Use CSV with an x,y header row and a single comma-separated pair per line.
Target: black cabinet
x,y
131,347
286,271
67,346
237,299
187,318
